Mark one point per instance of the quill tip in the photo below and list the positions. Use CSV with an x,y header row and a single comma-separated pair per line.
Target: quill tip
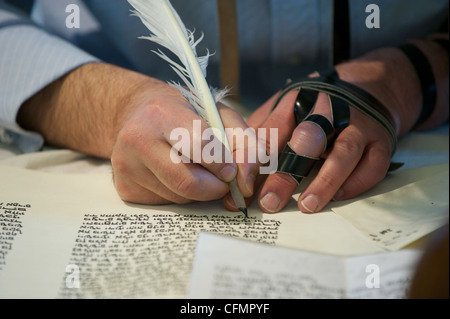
x,y
244,210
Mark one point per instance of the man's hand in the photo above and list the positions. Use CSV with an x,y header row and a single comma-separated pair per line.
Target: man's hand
x,y
360,155
109,112
359,158
141,159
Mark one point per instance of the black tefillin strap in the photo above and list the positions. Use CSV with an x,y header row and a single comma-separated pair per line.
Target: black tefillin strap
x,y
424,72
426,77
443,43
341,95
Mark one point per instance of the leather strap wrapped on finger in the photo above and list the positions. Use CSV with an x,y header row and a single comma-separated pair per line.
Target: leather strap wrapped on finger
x,y
347,93
341,95
295,165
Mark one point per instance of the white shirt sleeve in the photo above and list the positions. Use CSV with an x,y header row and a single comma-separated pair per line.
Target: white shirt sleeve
x,y
30,59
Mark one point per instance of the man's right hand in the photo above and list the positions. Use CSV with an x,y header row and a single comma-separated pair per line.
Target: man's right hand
x,y
109,112
141,157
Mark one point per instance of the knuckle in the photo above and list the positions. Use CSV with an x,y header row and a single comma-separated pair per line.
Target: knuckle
x,y
186,187
157,107
125,193
360,183
156,111
130,136
380,158
119,165
348,145
328,181
119,170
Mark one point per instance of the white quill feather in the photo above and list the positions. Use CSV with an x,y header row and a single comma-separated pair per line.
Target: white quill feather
x,y
169,31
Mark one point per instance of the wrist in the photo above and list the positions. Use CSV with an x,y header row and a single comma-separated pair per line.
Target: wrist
x,y
434,95
84,109
386,75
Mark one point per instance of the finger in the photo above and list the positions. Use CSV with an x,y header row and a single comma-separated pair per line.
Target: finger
x,y
275,132
135,183
370,170
132,192
340,163
192,138
188,180
243,142
229,203
261,114
181,127
307,140
282,118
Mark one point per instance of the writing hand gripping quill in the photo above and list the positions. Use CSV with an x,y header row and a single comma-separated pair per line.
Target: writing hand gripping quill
x,y
168,30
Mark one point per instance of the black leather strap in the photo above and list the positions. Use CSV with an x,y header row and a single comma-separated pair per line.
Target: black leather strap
x,y
304,104
340,111
341,94
443,43
350,94
426,77
295,165
300,166
360,99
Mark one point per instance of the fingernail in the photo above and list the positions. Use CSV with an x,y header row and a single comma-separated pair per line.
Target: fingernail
x,y
250,183
339,194
270,202
310,203
228,173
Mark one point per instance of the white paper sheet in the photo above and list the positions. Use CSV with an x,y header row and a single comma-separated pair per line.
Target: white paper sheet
x,y
396,218
56,227
52,222
232,268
